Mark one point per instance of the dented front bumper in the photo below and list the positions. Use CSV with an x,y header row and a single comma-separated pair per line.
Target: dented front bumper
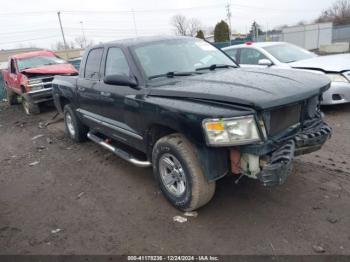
x,y
280,163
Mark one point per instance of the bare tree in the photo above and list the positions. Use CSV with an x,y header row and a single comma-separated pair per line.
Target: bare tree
x,y
180,24
59,45
80,41
338,13
194,25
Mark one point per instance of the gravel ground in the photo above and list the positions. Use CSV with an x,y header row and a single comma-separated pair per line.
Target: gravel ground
x,y
57,197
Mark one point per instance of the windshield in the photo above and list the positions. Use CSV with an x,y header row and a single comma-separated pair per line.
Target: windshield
x,y
38,61
286,53
184,55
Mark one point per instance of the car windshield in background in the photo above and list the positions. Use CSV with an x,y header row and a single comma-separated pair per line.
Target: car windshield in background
x,y
38,61
185,55
288,53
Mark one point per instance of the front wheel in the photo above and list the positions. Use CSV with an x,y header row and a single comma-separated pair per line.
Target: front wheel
x,y
11,96
179,173
29,107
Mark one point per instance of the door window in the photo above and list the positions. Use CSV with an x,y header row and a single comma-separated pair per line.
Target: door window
x,y
232,53
93,62
250,56
116,63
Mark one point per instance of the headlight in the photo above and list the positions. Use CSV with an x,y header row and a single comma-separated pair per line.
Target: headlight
x,y
337,78
35,84
231,131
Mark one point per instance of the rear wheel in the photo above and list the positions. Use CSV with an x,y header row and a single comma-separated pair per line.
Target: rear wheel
x,y
29,107
179,173
74,128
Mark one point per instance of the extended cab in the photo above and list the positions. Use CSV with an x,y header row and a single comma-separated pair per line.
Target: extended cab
x,y
29,76
185,108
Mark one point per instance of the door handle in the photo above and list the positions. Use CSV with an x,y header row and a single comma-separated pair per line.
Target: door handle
x,y
105,94
81,88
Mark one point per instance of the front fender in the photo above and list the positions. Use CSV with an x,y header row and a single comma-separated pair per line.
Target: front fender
x,y
185,117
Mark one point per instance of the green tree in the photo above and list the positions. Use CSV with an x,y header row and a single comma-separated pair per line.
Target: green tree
x,y
200,34
221,32
255,31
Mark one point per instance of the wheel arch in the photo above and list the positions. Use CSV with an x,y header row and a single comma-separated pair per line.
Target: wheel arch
x,y
60,102
214,161
23,89
154,133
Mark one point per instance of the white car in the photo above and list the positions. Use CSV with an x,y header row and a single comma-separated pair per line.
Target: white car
x,y
285,55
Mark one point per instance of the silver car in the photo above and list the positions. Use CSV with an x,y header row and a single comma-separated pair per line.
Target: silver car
x,y
285,55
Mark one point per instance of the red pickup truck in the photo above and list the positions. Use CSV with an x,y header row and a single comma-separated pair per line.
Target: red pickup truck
x,y
29,77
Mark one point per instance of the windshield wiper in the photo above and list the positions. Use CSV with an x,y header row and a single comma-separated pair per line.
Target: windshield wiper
x,y
174,73
214,66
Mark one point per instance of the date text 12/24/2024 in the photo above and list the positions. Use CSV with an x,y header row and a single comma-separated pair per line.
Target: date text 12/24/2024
x,y
173,258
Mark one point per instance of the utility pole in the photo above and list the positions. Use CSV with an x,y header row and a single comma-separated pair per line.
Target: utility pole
x,y
83,31
134,19
64,39
228,10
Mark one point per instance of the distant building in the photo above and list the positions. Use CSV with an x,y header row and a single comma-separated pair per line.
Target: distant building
x,y
234,36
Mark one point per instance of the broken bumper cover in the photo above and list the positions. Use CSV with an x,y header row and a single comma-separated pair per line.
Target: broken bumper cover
x,y
41,95
280,164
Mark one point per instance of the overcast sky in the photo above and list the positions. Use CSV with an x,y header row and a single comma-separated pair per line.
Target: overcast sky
x,y
25,22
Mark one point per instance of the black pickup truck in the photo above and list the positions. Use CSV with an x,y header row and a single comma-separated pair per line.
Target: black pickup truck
x,y
185,108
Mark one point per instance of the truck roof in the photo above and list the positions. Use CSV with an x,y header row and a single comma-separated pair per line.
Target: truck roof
x,y
34,53
143,40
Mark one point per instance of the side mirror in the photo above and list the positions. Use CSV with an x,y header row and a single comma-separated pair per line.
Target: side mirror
x,y
120,80
265,62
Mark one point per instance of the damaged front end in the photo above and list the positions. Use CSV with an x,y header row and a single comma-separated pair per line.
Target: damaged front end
x,y
272,161
280,163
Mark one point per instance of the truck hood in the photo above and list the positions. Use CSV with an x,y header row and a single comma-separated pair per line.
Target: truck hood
x,y
257,88
58,69
329,63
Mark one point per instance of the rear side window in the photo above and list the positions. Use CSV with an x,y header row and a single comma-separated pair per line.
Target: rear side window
x,y
232,53
250,56
93,62
116,63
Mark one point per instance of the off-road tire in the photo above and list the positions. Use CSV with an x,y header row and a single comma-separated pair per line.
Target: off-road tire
x,y
29,107
80,134
11,96
199,191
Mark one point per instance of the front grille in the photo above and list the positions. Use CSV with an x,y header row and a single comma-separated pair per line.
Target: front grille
x,y
47,82
280,119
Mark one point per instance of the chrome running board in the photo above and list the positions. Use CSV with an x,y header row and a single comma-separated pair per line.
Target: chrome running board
x,y
121,153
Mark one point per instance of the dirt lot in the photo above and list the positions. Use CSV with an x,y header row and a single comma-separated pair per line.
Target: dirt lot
x,y
80,199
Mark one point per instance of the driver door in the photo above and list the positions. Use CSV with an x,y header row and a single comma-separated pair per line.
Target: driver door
x,y
120,107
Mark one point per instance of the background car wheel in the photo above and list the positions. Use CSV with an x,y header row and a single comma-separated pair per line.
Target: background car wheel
x,y
11,97
76,130
30,108
179,174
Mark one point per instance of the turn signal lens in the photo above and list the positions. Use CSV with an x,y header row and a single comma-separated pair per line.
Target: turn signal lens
x,y
215,126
